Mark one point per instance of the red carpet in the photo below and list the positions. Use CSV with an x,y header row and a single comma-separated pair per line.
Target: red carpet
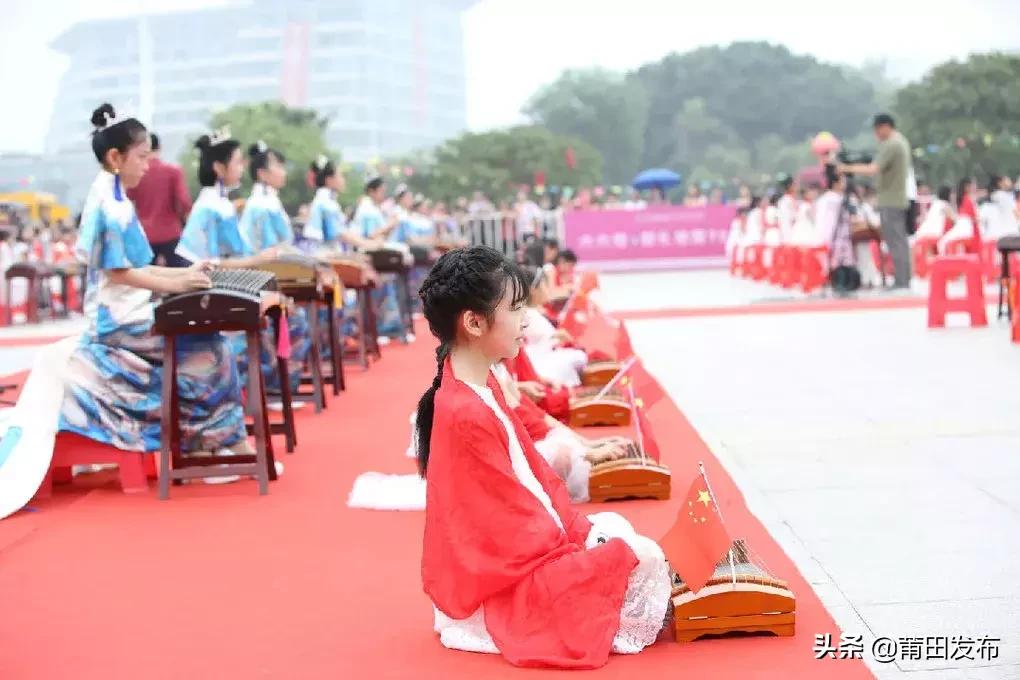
x,y
219,582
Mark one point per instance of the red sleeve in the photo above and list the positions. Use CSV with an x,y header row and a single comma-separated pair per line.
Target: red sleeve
x,y
182,199
533,419
488,541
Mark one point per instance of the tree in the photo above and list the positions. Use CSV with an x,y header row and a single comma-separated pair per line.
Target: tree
x,y
961,117
601,107
498,161
299,134
753,89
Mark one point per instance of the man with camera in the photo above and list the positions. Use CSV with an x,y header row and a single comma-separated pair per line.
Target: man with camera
x,y
890,167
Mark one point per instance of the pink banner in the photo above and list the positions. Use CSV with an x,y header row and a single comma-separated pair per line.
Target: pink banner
x,y
665,237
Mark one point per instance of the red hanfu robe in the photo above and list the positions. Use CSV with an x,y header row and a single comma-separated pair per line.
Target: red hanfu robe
x,y
489,541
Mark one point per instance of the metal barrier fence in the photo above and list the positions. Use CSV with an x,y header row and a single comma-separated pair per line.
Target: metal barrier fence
x,y
502,231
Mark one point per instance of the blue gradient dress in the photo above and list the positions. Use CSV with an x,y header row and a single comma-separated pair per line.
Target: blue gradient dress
x,y
114,379
367,220
212,232
322,231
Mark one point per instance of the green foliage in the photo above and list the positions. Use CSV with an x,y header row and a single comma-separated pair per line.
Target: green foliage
x,y
602,108
976,101
498,161
748,90
298,134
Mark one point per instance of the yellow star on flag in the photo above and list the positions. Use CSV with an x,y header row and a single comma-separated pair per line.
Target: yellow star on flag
x,y
704,497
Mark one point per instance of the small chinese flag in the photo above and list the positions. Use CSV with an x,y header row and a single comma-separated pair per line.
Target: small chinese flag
x,y
589,282
624,350
697,540
648,443
645,386
575,316
599,334
570,158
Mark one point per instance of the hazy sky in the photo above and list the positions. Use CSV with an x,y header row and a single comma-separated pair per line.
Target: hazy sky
x,y
514,46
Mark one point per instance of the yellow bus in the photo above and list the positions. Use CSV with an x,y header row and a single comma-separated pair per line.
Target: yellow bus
x,y
40,205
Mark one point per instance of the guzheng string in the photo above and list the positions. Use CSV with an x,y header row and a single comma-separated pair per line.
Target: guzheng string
x,y
616,378
637,426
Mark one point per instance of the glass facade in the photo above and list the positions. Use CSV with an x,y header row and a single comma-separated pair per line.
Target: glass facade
x,y
389,74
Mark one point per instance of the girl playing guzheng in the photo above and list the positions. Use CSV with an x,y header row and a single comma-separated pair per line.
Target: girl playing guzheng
x,y
508,562
370,223
547,346
212,233
113,382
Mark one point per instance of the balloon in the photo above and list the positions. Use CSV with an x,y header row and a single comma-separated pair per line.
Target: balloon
x,y
960,142
599,191
824,143
988,139
933,148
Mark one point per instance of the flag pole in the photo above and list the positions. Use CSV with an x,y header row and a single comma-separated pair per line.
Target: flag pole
x,y
718,508
626,366
637,425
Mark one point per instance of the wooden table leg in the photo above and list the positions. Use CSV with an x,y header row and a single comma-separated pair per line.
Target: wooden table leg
x,y
265,468
166,415
316,357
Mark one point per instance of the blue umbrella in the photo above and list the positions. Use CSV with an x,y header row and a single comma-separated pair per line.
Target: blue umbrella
x,y
656,178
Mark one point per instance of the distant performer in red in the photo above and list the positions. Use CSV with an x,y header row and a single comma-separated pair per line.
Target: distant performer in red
x,y
162,202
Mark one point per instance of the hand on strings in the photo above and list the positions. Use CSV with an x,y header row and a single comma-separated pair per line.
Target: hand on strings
x,y
204,266
192,280
534,390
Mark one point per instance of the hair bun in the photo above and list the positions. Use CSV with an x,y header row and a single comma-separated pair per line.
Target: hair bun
x,y
258,148
203,143
102,115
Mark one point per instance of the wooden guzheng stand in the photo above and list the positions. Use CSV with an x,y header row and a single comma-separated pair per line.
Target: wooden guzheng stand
x,y
232,304
635,476
587,408
356,273
740,597
301,277
599,373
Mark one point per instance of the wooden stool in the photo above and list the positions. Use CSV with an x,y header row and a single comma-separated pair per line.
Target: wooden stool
x,y
69,449
943,269
34,275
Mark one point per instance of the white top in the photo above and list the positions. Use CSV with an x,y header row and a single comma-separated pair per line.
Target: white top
x,y
518,462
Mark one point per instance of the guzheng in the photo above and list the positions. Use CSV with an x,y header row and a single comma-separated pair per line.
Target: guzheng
x,y
611,409
233,303
741,596
389,260
297,275
352,270
598,373
634,476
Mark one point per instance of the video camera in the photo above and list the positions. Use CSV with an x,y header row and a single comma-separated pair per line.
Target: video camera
x,y
849,157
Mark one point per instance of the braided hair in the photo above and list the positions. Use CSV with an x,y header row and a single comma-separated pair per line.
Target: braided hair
x,y
469,279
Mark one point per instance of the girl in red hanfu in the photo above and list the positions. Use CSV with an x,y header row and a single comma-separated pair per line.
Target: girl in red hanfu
x,y
510,565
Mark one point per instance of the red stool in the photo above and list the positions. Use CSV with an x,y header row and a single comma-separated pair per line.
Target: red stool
x,y
814,269
73,449
945,268
923,251
1014,296
778,266
793,267
754,261
734,261
991,258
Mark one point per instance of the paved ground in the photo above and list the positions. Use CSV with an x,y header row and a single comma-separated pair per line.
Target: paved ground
x,y
883,456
